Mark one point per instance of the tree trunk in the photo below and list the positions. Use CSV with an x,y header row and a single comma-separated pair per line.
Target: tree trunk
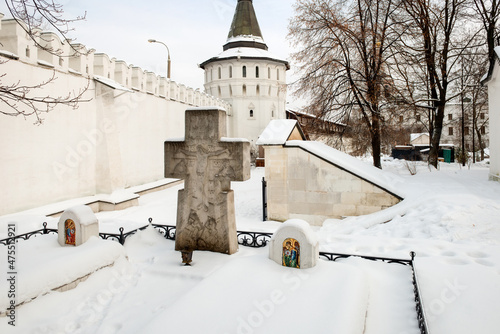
x,y
436,136
376,141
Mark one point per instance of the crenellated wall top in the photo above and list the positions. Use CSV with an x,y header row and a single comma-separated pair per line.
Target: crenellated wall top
x,y
77,59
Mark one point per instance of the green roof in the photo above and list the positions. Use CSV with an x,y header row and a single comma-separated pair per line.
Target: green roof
x,y
244,21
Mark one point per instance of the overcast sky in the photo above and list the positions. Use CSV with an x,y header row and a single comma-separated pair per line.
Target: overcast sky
x,y
194,31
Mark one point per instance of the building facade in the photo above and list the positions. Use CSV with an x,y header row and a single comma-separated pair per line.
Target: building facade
x,y
247,76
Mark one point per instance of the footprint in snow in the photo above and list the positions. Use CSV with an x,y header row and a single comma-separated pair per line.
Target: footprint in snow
x,y
485,262
457,261
478,254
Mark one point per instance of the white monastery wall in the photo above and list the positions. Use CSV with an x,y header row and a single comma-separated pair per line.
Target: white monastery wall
x,y
303,186
112,142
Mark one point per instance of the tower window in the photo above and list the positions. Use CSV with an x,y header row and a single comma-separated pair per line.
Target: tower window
x,y
28,51
450,131
269,73
244,71
277,74
220,73
258,90
256,71
251,113
244,90
230,71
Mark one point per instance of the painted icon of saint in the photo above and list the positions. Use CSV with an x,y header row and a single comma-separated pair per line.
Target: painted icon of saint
x,y
291,253
69,227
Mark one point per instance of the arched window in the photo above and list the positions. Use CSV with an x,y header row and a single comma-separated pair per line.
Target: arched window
x,y
244,90
277,74
220,73
230,71
244,70
258,90
269,73
28,51
256,71
251,113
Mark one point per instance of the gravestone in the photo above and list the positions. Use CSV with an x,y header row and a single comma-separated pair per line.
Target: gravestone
x,y
294,245
208,162
76,225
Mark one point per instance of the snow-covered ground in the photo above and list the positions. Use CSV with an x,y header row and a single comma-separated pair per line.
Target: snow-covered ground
x,y
450,218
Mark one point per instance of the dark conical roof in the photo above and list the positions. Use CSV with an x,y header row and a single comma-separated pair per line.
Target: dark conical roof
x,y
245,24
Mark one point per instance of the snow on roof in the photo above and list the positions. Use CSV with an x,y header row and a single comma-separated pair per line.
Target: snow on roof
x,y
244,52
301,225
245,38
212,108
377,177
277,132
111,83
415,136
83,212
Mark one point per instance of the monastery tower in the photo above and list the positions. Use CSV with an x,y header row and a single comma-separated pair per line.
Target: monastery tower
x,y
247,76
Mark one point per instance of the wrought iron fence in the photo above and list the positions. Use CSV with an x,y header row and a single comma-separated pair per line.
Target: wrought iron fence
x,y
249,239
28,235
422,324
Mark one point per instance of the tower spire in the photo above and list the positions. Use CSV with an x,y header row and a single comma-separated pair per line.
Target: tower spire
x,y
245,30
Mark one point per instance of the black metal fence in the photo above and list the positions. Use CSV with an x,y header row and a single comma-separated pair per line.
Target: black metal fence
x,y
249,239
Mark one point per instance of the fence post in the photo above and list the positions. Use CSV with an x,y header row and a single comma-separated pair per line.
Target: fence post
x,y
122,238
264,199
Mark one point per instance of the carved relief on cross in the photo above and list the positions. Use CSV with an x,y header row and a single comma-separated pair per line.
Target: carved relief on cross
x,y
208,162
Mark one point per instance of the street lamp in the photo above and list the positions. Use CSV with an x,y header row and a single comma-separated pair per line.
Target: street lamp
x,y
168,61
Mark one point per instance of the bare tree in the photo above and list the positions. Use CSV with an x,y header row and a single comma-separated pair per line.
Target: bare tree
x,y
21,99
435,38
489,12
343,47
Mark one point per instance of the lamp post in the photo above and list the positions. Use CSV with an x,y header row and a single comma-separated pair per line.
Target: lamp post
x,y
168,51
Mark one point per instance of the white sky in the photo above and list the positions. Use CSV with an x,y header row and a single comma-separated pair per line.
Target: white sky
x,y
194,31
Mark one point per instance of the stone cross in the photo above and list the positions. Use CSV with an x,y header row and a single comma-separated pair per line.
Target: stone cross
x,y
208,162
